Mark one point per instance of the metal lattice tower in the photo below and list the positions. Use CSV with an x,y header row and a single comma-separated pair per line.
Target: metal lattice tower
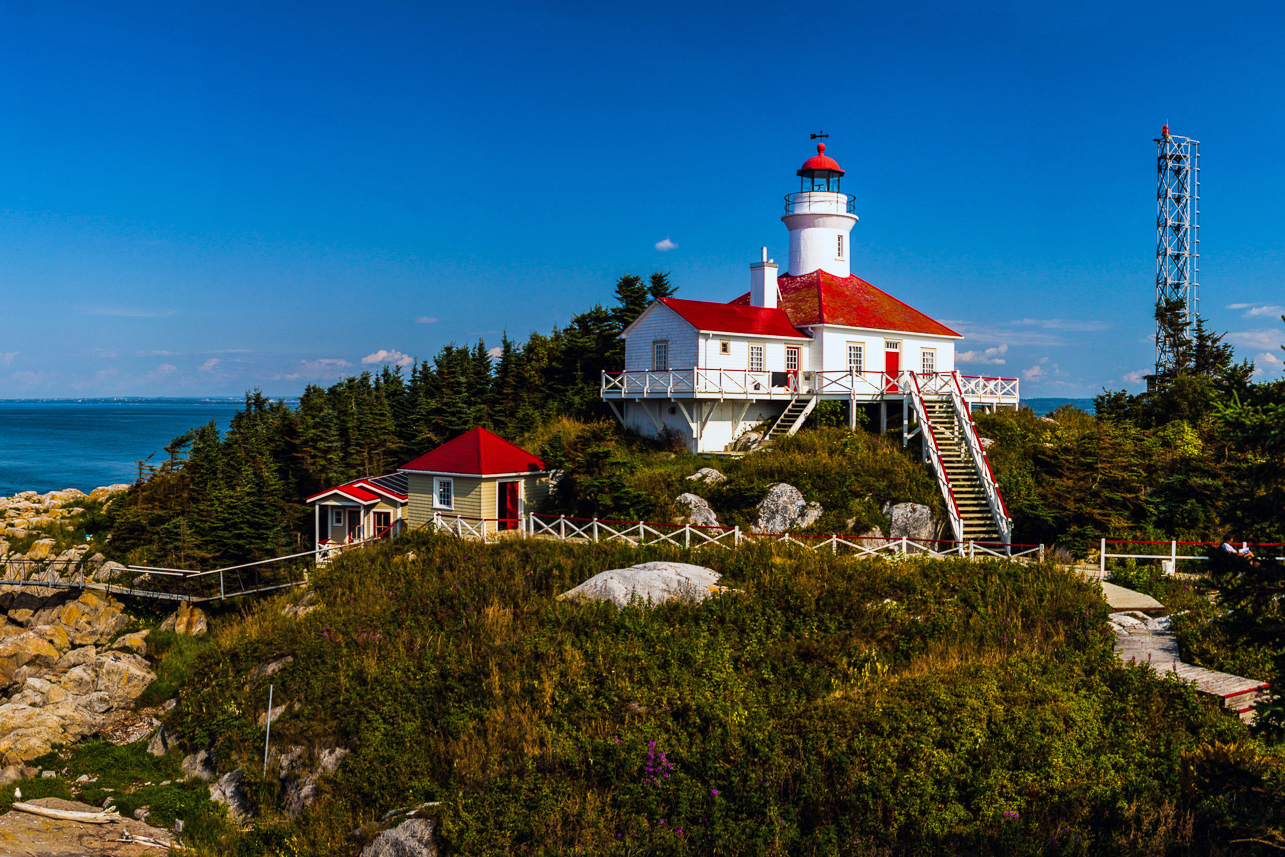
x,y
1177,234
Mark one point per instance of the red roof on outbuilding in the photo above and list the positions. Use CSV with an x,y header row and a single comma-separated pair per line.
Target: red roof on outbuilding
x,y
733,318
351,490
477,452
822,298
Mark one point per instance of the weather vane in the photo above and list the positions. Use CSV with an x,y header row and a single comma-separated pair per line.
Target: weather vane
x,y
820,135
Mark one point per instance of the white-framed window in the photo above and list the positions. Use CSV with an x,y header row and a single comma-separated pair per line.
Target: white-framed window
x,y
756,358
840,246
856,357
891,345
724,347
791,359
660,355
444,497
928,361
338,517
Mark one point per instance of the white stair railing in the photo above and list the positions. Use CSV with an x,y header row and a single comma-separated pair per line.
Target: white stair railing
x,y
934,455
968,429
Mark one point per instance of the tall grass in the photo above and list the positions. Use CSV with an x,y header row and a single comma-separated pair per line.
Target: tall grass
x,y
829,706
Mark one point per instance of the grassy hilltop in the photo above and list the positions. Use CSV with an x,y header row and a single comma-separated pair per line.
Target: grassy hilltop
x,y
831,706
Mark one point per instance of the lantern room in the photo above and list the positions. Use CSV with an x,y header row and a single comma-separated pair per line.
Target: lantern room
x,y
820,172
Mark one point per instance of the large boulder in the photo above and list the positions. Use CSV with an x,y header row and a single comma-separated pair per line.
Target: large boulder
x,y
696,511
92,618
199,766
41,549
784,509
412,838
228,791
187,620
708,475
105,491
123,677
28,648
747,442
912,521
652,582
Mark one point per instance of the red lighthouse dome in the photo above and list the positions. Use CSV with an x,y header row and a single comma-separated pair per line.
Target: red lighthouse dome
x,y
818,163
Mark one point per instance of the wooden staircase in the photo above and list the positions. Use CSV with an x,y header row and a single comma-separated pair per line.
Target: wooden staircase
x,y
965,483
791,418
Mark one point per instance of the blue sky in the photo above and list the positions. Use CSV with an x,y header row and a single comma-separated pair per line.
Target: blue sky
x,y
196,199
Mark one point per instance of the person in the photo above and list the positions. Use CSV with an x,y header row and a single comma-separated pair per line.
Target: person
x,y
1244,550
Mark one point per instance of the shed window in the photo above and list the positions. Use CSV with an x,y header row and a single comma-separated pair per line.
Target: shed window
x,y
856,357
756,358
445,494
724,347
929,361
339,517
660,355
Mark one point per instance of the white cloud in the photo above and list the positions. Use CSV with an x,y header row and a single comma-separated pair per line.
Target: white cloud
x,y
6,357
1034,373
166,369
1041,370
666,245
385,356
1238,306
316,370
1040,332
1268,359
1137,376
989,357
1266,339
1273,310
210,365
495,353
426,319
154,353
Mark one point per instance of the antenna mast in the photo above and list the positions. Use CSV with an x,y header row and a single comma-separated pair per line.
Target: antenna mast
x,y
1177,238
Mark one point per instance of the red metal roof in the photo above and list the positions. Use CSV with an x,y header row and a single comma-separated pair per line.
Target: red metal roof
x,y
820,161
368,489
477,452
733,318
351,490
822,298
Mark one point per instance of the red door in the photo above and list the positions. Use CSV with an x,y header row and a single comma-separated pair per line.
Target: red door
x,y
354,525
892,368
508,505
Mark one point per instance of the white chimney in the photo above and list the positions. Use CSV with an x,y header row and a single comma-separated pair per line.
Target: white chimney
x,y
763,283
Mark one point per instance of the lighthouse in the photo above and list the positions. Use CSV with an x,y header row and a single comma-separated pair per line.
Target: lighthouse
x,y
820,219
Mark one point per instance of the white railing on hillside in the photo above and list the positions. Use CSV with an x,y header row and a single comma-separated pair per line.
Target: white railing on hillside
x,y
964,418
1169,561
641,533
743,384
934,456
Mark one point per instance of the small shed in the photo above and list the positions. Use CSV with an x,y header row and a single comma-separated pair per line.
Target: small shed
x,y
478,479
368,508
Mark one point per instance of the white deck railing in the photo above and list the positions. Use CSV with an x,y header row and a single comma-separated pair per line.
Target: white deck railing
x,y
744,384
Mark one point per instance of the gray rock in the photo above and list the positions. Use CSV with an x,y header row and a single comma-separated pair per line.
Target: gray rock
x,y
228,792
412,838
912,521
162,741
696,511
301,792
872,539
303,606
986,442
654,582
708,475
199,766
271,667
747,441
330,759
784,509
109,571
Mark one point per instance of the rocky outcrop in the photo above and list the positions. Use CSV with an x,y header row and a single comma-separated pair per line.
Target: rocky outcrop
x,y
912,521
784,509
187,620
708,475
199,766
747,442
695,511
412,838
648,583
228,791
29,511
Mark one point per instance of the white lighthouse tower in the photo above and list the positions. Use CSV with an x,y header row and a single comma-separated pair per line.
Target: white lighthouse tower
x,y
820,218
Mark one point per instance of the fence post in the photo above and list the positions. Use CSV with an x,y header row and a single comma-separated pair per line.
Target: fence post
x,y
562,527
595,530
687,536
1041,553
736,536
834,545
972,551
1173,557
1102,561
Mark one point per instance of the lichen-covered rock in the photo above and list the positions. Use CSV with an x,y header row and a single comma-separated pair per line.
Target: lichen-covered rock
x,y
912,521
199,766
783,509
412,838
187,620
228,792
747,441
648,582
695,511
135,643
123,677
28,648
708,475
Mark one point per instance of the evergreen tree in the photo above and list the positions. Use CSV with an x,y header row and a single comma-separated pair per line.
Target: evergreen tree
x,y
659,286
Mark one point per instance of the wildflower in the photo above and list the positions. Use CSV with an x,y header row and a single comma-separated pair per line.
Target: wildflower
x,y
714,792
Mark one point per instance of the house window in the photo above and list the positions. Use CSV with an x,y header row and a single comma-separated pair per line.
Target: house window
x,y
840,246
445,494
724,347
929,361
856,357
891,345
660,355
791,359
339,517
756,358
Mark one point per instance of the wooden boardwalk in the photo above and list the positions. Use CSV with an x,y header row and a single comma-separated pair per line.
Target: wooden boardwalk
x,y
1149,641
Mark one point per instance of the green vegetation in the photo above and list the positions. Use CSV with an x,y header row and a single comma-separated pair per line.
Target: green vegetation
x,y
830,706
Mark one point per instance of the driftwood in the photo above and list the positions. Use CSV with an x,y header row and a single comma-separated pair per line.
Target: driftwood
x,y
69,815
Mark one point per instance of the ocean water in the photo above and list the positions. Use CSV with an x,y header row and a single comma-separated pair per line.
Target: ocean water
x,y
1046,406
59,443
